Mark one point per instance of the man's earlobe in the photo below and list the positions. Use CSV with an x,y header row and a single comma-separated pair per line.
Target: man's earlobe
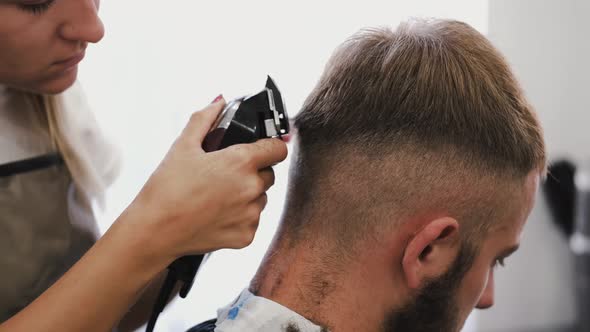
x,y
431,251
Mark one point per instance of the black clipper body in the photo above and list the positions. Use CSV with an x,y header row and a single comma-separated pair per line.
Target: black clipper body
x,y
243,120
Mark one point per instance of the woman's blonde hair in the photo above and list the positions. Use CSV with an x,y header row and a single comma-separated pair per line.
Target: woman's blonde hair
x,y
91,160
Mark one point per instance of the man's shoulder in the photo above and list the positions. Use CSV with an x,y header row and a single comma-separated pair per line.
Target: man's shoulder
x,y
250,312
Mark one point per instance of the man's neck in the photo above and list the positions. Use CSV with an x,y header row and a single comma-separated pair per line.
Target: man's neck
x,y
301,277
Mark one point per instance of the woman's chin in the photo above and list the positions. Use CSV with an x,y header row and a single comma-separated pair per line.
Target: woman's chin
x,y
63,82
56,84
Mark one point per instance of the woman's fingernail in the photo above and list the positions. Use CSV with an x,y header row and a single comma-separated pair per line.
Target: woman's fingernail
x,y
218,98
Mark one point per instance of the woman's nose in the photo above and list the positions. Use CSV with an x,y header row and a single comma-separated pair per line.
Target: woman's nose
x,y
82,23
487,297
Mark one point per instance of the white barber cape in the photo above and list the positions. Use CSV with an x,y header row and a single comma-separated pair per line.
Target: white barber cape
x,y
46,221
254,313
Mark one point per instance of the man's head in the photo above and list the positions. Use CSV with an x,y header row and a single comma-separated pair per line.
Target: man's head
x,y
417,162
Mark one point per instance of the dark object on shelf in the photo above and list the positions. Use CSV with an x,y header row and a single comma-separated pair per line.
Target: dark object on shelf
x,y
567,191
560,192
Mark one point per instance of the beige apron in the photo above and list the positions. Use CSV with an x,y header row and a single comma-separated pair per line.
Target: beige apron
x,y
46,224
44,229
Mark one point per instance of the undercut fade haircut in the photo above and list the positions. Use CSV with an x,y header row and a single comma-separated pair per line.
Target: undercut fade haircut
x,y
426,117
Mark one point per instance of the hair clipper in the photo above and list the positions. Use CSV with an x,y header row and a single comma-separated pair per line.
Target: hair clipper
x,y
243,120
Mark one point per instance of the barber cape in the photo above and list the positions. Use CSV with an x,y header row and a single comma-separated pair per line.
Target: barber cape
x,y
254,313
46,220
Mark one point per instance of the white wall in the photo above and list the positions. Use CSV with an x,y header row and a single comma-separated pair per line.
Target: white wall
x,y
547,43
161,60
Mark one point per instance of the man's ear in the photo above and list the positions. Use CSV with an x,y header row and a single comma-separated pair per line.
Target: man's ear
x,y
431,251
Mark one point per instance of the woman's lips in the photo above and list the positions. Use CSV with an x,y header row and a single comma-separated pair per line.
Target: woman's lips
x,y
70,62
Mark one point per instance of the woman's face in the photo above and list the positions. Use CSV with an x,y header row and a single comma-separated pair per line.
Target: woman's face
x,y
42,42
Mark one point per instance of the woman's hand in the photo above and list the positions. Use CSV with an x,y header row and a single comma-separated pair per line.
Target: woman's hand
x,y
197,202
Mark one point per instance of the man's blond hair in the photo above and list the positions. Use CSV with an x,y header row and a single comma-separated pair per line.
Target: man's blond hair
x,y
425,118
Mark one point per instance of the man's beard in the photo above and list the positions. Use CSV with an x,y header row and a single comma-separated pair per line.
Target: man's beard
x,y
435,307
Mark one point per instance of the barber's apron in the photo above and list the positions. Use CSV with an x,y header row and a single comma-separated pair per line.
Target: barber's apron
x,y
45,224
44,229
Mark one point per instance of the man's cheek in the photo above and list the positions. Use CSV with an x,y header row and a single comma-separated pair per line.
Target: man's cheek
x,y
473,287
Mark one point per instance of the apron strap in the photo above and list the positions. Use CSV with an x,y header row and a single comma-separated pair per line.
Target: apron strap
x,y
30,165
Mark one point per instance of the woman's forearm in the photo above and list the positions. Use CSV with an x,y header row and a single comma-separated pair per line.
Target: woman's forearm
x,y
98,290
195,202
